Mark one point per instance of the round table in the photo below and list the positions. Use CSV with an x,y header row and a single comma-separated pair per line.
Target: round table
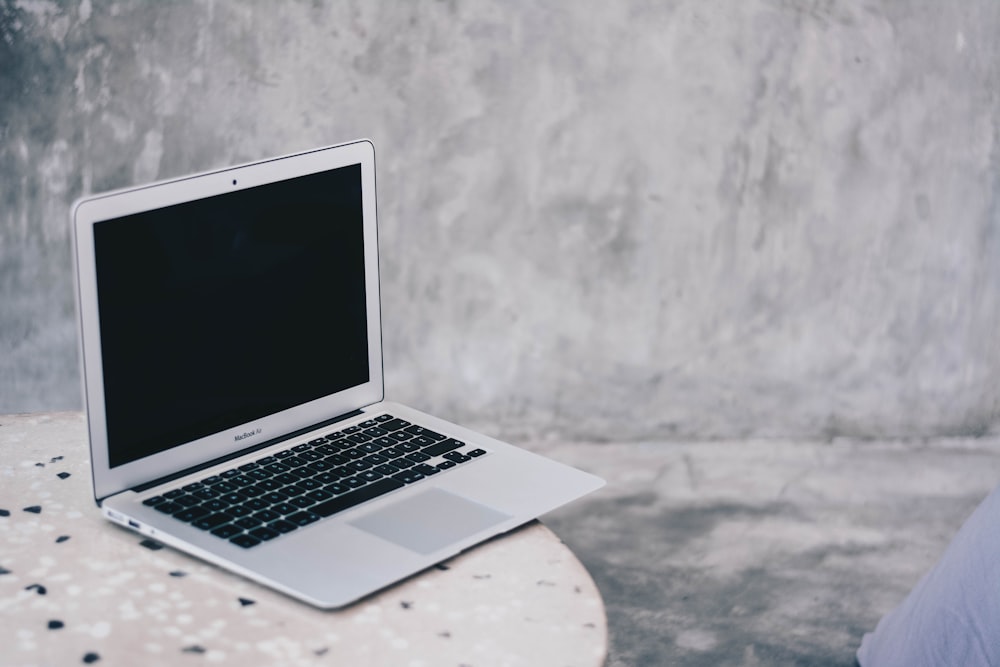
x,y
76,589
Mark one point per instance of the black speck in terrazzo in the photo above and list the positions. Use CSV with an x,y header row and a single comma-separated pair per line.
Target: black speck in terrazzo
x,y
246,602
56,458
4,512
482,576
91,658
321,651
61,539
152,545
55,625
542,582
34,509
4,570
194,648
446,634
406,605
178,574
63,475
39,465
38,588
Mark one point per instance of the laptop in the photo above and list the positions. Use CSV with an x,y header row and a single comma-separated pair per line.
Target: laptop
x,y
231,346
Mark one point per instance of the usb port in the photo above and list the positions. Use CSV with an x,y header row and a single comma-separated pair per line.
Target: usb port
x,y
134,524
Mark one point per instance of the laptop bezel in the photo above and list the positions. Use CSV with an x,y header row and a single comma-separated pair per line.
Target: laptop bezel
x,y
91,210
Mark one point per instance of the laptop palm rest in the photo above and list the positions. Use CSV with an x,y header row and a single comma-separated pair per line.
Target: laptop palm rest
x,y
429,521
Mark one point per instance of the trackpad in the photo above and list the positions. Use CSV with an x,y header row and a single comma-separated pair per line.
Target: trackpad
x,y
429,521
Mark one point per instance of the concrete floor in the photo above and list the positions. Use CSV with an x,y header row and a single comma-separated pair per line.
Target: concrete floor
x,y
763,552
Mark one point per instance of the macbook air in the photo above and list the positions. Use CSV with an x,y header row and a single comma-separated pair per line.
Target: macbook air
x,y
231,337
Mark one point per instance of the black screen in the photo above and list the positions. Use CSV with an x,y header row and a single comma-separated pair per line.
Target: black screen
x,y
220,311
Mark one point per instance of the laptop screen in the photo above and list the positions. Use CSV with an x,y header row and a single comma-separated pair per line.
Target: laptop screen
x,y
220,311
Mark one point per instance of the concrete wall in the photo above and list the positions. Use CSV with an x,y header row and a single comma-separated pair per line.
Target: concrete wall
x,y
601,220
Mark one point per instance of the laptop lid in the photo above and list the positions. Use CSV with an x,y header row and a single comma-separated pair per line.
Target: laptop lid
x,y
221,311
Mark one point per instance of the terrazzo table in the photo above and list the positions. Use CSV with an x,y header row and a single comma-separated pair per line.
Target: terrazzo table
x,y
75,589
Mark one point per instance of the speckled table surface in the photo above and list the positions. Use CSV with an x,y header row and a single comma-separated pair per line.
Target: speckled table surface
x,y
75,589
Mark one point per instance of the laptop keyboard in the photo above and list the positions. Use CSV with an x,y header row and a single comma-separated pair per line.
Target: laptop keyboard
x,y
277,494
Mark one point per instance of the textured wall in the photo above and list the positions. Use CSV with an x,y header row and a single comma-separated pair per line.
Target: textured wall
x,y
599,219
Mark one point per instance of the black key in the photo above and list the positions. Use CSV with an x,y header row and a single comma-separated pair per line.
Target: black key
x,y
277,468
239,510
375,432
341,503
423,440
321,466
418,457
168,507
384,442
267,460
320,495
442,447
394,424
302,502
444,465
407,446
258,474
342,444
281,456
359,437
313,443
234,498
309,484
327,449
225,487
282,526
336,435
253,491
155,500
194,486
305,445
295,461
420,430
245,541
326,478
284,508
206,493
457,457
247,467
256,504
274,497
310,456
187,500
353,482
352,429
242,480
191,513
170,495
425,470
370,447
215,505
400,436
269,485
370,475
212,521
355,453
303,518
368,424
226,531
230,474
337,488
286,479
267,515
376,459
387,469
384,418
342,471
248,522
359,465
407,477
208,481
477,452
403,463
392,452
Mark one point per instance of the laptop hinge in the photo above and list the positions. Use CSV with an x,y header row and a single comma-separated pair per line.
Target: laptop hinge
x,y
243,452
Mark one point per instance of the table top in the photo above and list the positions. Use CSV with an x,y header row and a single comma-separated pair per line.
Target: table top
x,y
76,589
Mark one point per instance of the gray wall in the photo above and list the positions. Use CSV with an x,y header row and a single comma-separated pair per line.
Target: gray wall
x,y
601,220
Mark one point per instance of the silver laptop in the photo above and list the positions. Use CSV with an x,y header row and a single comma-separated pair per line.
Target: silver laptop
x,y
232,362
